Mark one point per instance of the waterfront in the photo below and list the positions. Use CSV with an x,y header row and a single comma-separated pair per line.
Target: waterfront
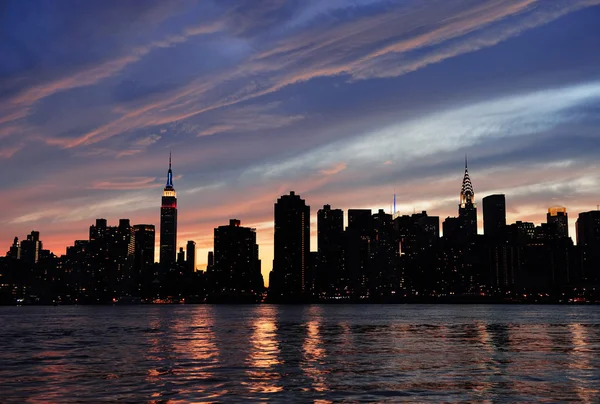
x,y
436,353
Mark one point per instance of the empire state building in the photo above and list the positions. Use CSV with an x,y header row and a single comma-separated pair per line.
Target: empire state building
x,y
168,221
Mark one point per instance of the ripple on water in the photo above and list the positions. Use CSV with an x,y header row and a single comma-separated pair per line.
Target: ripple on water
x,y
288,353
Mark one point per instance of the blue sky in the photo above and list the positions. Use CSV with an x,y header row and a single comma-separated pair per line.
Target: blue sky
x,y
344,102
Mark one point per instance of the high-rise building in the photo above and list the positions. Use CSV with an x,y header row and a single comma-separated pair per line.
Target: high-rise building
x,y
168,221
144,239
360,220
467,209
31,248
558,218
588,242
357,250
236,269
330,233
191,255
181,257
109,260
291,247
494,215
15,250
588,229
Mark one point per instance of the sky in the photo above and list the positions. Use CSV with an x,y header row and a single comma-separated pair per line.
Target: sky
x,y
342,101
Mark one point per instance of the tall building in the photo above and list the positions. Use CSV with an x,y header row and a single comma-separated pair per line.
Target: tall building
x,y
181,257
31,248
15,250
168,221
330,226
558,218
330,233
144,241
467,209
191,255
588,242
494,215
291,247
236,268
588,229
360,220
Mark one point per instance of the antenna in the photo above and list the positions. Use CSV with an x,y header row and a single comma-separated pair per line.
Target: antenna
x,y
394,212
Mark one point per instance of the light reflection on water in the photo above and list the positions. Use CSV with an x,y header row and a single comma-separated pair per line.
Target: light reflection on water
x,y
180,354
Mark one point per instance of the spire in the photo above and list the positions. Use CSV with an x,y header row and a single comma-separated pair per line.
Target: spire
x,y
170,174
467,194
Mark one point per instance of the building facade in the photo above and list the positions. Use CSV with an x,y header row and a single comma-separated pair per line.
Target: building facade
x,y
168,222
291,248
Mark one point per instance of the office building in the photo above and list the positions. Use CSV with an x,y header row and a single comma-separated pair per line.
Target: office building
x,y
168,221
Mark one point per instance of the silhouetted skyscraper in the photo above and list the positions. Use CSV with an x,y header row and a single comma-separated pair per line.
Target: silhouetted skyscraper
x,y
360,220
357,250
330,233
588,229
494,215
236,271
181,257
15,250
291,247
588,242
31,247
330,226
144,239
191,255
557,217
168,221
467,209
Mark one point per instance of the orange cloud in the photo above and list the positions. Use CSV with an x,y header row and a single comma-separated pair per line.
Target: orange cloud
x,y
334,170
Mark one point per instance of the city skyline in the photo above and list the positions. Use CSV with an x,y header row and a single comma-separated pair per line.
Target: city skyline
x,y
460,223
250,114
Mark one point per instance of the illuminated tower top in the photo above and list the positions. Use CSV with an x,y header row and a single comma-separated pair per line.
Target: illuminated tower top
x,y
169,190
467,194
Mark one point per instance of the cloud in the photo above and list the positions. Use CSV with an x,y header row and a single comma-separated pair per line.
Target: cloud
x,y
424,38
126,183
214,129
333,170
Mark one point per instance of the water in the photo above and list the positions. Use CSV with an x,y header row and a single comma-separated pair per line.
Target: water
x,y
181,354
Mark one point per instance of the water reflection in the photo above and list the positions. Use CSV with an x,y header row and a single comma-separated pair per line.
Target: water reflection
x,y
264,353
580,365
301,353
314,354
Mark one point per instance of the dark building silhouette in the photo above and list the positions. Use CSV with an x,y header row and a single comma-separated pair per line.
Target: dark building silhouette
x,y
360,220
467,209
452,228
357,251
31,248
558,219
144,242
288,278
14,251
494,215
329,260
236,272
588,228
382,277
181,257
168,222
210,262
191,255
588,242
104,266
